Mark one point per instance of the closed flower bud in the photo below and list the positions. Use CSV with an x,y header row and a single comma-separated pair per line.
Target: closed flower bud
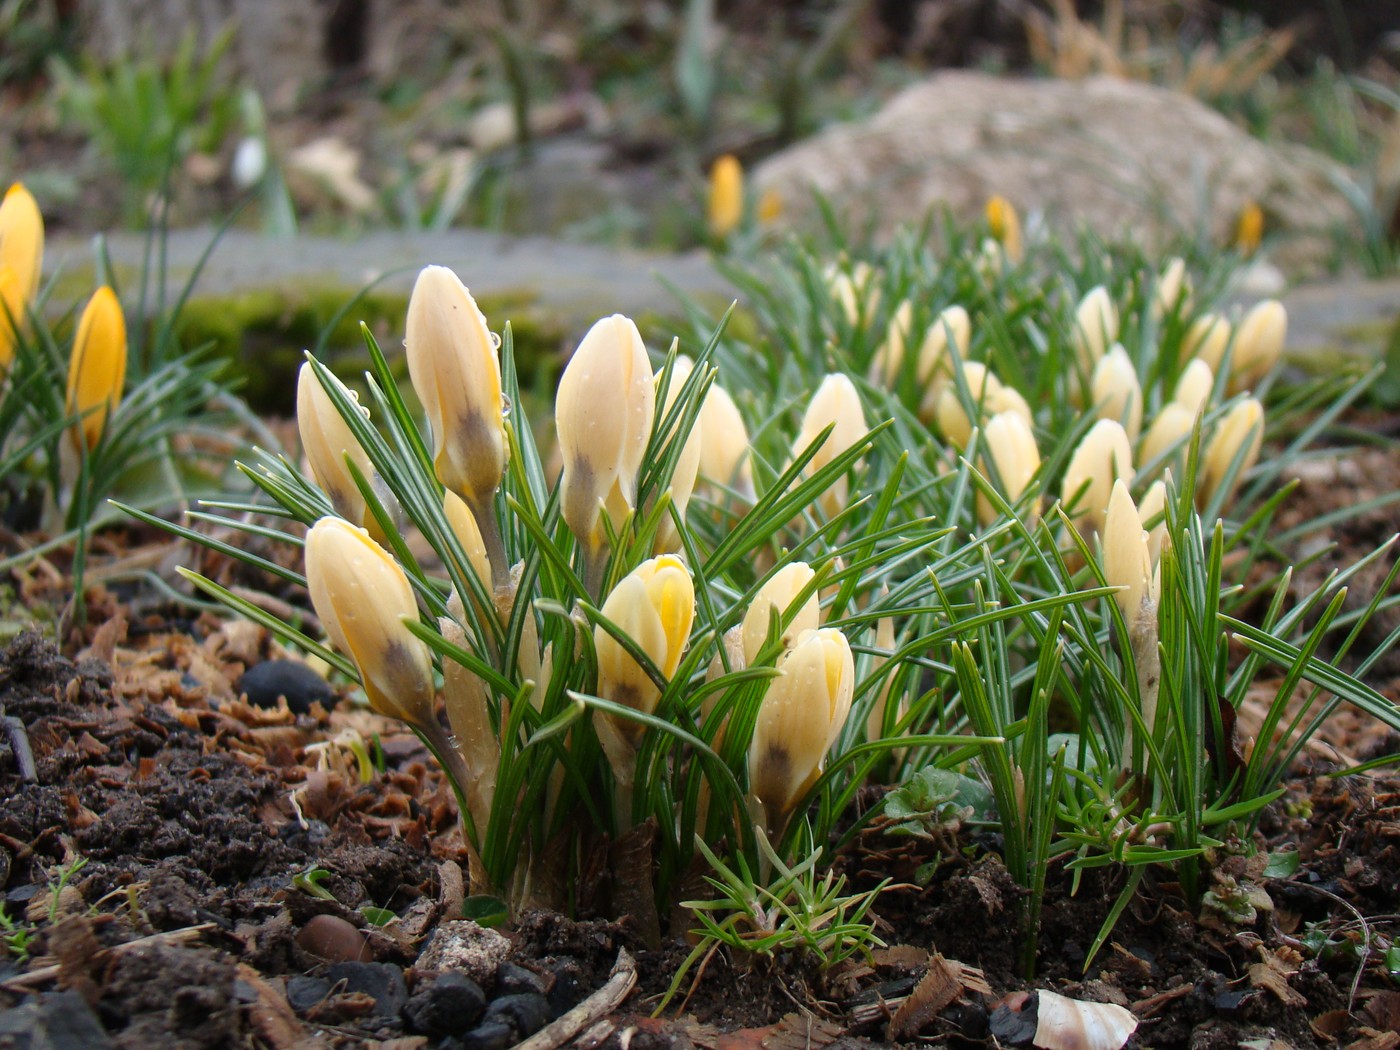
x,y
779,592
1249,229
363,600
951,327
1258,344
1169,432
603,411
1206,340
1011,447
835,401
1194,388
724,449
1102,457
800,717
1116,391
463,522
1006,227
1172,292
97,368
1153,503
726,197
986,392
688,465
654,605
328,441
22,242
770,206
452,363
856,292
1239,437
1127,558
11,317
888,361
1095,328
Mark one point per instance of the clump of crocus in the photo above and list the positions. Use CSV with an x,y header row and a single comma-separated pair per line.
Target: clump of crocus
x,y
97,368
1127,565
1232,453
779,593
603,411
800,717
654,606
1101,458
725,210
856,290
1116,391
1011,451
21,263
989,397
837,404
1005,227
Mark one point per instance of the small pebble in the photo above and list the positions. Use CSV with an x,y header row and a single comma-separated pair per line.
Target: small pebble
x,y
460,944
495,1035
382,982
569,988
263,683
526,1013
512,979
305,992
62,1021
332,938
451,1005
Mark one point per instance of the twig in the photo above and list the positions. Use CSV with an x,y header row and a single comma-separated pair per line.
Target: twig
x,y
47,973
1365,935
18,736
596,1006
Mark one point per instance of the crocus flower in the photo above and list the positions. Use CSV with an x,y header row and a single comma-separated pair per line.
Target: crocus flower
x,y
97,368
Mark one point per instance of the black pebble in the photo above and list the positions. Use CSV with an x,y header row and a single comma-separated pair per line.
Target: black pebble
x,y
494,1036
569,987
263,683
450,1005
55,1022
305,992
1015,1027
383,982
526,1013
516,980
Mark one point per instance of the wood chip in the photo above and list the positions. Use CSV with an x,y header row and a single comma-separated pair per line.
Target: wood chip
x,y
945,982
1273,972
801,1032
271,1015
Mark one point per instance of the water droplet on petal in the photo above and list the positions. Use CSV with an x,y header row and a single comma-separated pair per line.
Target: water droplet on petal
x,y
495,341
505,407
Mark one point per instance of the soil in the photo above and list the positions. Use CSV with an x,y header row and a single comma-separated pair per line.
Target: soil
x,y
160,854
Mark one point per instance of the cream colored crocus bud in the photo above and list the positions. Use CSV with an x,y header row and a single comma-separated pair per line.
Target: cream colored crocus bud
x,y
1150,510
97,368
22,242
364,601
952,328
1258,344
779,592
888,360
1193,388
1005,226
799,719
835,402
1238,438
855,291
1010,446
463,524
725,206
1116,391
1101,458
603,411
724,451
1172,293
1095,328
986,392
467,703
1127,558
328,443
1169,432
1206,340
453,365
688,465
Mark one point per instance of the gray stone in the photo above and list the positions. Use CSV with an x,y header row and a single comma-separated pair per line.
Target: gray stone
x,y
53,1022
460,944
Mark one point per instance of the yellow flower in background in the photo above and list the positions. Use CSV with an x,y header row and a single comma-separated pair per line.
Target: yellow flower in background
x,y
1258,344
726,198
363,600
1006,227
97,368
1206,340
799,719
1249,229
1172,292
454,369
22,240
603,411
1095,328
770,206
724,450
952,327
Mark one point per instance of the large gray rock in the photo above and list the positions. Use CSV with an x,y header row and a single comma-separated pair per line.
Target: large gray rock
x,y
1112,154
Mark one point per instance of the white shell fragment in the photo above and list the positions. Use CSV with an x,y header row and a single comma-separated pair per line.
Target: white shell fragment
x,y
1073,1024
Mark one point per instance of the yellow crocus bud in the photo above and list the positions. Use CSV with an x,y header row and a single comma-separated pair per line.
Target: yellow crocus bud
x,y
726,198
1172,292
779,591
835,401
1153,503
654,605
1011,448
363,600
1258,344
688,465
800,717
97,368
1249,229
724,451
1239,436
1006,227
1206,340
888,360
1170,430
1101,458
770,206
1193,388
463,523
328,441
1127,557
603,411
452,363
953,328
1095,328
22,242
11,317
1116,391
